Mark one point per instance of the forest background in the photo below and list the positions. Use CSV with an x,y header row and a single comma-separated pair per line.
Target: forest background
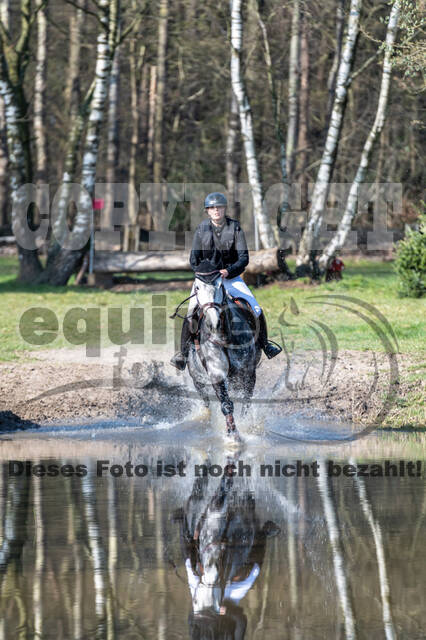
x,y
137,92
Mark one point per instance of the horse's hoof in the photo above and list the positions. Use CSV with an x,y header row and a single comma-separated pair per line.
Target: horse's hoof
x,y
233,440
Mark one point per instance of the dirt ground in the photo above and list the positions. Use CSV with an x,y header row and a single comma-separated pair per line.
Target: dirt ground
x,y
63,386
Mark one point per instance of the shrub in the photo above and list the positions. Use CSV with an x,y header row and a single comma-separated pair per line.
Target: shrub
x,y
410,263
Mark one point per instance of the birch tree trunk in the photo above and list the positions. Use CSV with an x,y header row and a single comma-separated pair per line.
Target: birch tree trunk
x,y
72,89
261,219
59,224
344,227
332,76
232,165
4,157
4,160
303,132
66,260
319,196
293,86
40,105
14,61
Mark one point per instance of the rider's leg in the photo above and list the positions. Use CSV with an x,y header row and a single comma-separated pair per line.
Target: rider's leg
x,y
238,288
180,358
269,349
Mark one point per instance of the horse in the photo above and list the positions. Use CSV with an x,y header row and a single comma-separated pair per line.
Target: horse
x,y
225,352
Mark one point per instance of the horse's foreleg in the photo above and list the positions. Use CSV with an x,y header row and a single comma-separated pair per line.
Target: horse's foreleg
x,y
202,390
226,404
248,388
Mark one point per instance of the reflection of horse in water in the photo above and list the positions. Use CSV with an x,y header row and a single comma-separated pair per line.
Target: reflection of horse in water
x,y
224,546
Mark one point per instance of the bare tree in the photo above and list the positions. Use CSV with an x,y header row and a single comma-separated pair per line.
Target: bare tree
x,y
325,171
40,103
293,89
261,220
158,165
344,227
277,121
303,128
137,66
151,116
112,137
72,88
14,61
231,163
332,76
64,261
4,158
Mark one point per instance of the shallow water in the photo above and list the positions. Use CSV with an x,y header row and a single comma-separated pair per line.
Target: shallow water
x,y
86,555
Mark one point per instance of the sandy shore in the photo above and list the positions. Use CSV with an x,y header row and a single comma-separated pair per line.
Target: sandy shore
x,y
63,385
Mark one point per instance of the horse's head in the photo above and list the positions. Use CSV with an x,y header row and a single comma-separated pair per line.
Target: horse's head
x,y
210,294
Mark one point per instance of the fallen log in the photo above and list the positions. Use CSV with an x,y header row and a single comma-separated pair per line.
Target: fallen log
x,y
266,260
7,239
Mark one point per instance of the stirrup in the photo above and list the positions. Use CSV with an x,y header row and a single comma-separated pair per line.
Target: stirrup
x,y
178,361
271,350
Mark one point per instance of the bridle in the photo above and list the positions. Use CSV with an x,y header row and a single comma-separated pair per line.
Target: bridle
x,y
207,305
212,305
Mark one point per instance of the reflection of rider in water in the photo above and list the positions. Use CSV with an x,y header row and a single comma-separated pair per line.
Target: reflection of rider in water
x,y
224,546
219,245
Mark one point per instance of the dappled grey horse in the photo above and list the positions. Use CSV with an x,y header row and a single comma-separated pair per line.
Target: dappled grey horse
x,y
223,544
224,353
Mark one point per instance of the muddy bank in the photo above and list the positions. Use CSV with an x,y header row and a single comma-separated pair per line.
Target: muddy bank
x,y
63,385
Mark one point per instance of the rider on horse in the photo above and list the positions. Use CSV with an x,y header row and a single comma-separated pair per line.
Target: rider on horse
x,y
219,245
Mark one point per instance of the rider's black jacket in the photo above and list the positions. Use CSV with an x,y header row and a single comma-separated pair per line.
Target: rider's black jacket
x,y
229,251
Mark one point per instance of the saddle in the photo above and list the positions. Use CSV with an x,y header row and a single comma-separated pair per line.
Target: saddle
x,y
226,318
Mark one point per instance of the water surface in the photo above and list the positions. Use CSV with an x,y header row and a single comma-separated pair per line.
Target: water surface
x,y
84,555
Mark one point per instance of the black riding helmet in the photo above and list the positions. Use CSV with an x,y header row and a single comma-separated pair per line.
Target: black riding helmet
x,y
215,199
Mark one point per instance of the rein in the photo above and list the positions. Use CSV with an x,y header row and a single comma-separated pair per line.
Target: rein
x,y
176,314
207,305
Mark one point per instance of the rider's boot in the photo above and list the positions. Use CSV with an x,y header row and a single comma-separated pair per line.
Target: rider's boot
x,y
269,349
180,358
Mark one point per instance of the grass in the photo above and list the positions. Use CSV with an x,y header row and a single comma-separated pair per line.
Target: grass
x,y
298,314
291,312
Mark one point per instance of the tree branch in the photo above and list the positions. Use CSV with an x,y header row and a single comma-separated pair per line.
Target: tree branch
x,y
135,23
376,55
86,10
4,33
